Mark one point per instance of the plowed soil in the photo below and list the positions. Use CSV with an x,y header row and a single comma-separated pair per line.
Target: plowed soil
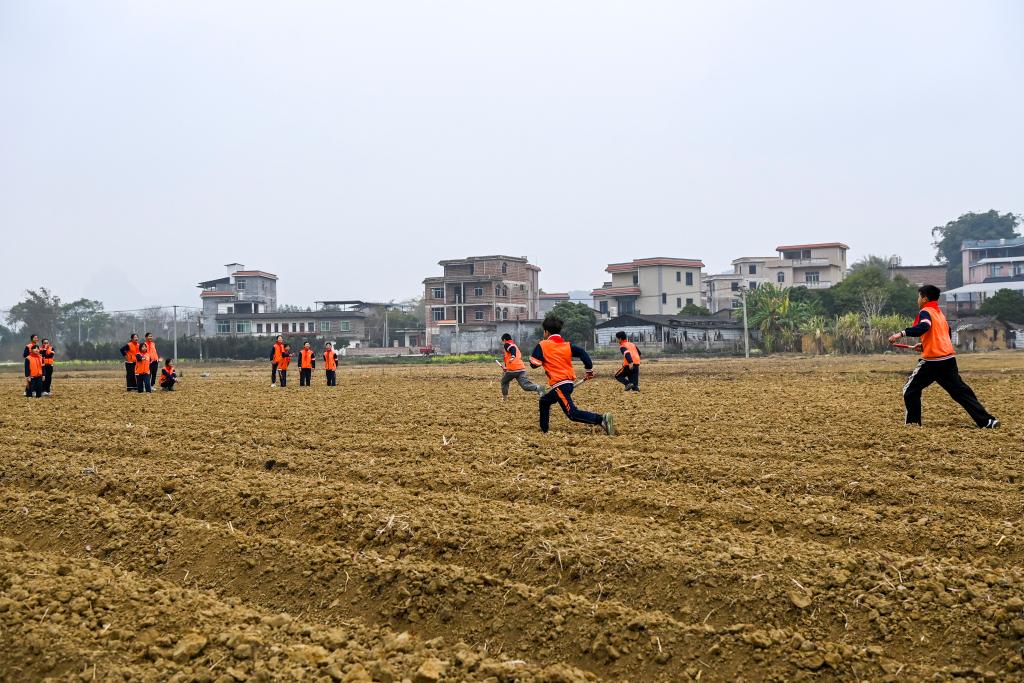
x,y
753,520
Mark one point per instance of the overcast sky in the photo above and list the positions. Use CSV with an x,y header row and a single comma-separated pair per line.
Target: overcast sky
x,y
349,146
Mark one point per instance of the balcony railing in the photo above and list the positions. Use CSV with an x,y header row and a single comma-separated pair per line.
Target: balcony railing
x,y
820,284
809,262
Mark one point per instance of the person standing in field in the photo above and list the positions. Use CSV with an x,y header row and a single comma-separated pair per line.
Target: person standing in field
x,y
34,363
275,359
47,352
937,363
130,351
283,363
515,368
555,355
142,376
154,358
629,373
307,361
33,340
168,376
331,365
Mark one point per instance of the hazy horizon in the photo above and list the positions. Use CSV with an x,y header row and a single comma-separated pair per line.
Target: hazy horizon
x,y
350,147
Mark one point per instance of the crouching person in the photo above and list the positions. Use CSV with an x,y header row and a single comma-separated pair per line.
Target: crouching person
x,y
168,376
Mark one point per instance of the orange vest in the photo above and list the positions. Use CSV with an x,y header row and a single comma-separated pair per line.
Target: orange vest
x,y
35,365
557,360
286,359
133,348
306,359
514,363
278,351
936,342
631,349
153,355
330,360
142,366
166,373
47,349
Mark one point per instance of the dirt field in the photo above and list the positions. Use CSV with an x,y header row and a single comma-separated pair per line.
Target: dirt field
x,y
762,520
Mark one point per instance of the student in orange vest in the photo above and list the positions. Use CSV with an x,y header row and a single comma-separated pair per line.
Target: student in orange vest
x,y
129,351
154,358
47,352
142,376
938,363
168,376
282,364
629,373
33,340
307,361
555,355
515,368
331,365
275,359
34,361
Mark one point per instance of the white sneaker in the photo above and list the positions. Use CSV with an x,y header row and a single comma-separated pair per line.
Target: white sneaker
x,y
273,386
46,393
992,424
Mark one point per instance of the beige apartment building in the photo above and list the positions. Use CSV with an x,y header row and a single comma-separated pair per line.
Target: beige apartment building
x,y
816,266
720,291
477,293
650,286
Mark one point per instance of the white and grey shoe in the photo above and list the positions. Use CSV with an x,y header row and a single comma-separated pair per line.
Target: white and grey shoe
x,y
608,424
992,424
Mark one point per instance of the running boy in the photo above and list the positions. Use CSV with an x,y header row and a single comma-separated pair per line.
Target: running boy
x,y
275,359
142,376
629,373
555,355
331,365
282,364
129,351
34,363
168,376
515,369
47,352
307,361
938,363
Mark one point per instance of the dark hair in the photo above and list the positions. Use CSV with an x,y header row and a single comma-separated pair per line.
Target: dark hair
x,y
620,335
167,361
930,292
35,347
32,336
506,337
552,324
133,334
45,339
287,346
149,334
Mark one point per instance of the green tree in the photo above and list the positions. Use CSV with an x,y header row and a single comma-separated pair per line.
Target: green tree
x,y
38,314
776,316
872,261
693,310
1006,304
579,321
969,226
869,291
84,318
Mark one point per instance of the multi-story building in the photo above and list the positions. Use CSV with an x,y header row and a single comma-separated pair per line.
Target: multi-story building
x,y
755,271
721,290
919,275
476,293
549,300
650,286
816,266
993,260
244,303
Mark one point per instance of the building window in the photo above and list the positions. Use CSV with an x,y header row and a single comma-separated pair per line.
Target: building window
x,y
689,302
504,268
243,326
636,279
679,276
478,315
504,314
295,327
311,327
472,269
752,269
752,285
679,302
223,327
689,279
344,326
325,325
240,285
302,327
993,269
438,292
734,286
780,277
812,277
664,298
437,313
478,291
603,307
259,328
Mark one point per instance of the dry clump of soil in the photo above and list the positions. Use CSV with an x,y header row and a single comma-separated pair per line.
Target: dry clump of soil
x,y
757,521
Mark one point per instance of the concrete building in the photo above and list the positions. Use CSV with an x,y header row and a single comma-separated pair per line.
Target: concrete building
x,y
816,266
966,300
244,303
650,286
549,300
919,275
999,260
698,333
721,291
476,293
755,271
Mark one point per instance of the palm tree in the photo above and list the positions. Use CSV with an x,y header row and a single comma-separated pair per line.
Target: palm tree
x,y
776,317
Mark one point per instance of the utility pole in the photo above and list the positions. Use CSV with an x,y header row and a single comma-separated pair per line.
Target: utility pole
x,y
746,329
175,332
79,328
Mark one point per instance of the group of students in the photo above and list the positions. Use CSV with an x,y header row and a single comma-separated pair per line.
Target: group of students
x,y
141,363
281,358
38,367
